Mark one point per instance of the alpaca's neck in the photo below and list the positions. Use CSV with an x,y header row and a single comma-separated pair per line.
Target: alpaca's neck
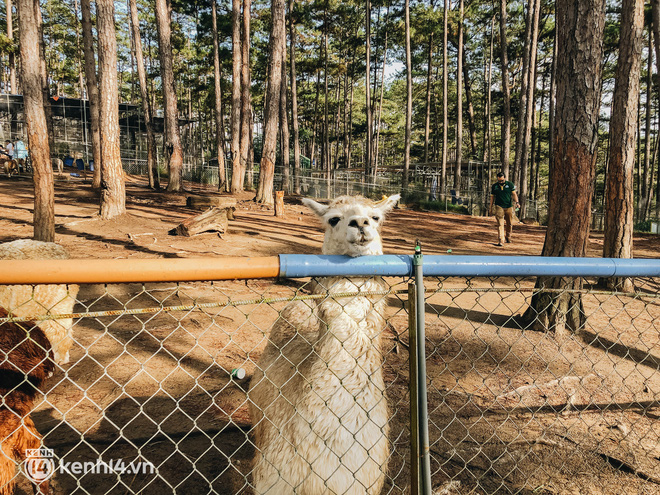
x,y
351,327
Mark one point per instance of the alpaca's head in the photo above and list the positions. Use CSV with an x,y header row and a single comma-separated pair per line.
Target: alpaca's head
x,y
352,224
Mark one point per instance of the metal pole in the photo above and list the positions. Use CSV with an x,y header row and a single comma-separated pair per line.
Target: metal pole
x,y
425,459
414,412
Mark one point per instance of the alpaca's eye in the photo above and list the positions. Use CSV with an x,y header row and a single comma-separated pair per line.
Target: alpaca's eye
x,y
333,221
375,219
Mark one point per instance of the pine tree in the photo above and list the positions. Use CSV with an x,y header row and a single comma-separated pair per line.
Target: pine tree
x,y
579,69
30,41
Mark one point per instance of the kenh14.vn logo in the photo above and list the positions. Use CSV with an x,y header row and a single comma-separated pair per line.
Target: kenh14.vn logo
x,y
40,465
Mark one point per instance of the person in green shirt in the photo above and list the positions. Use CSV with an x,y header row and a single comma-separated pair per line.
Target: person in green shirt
x,y
503,199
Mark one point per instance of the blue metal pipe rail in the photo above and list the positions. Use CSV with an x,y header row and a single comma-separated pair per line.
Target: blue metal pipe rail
x,y
300,266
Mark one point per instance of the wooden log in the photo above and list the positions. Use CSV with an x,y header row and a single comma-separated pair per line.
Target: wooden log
x,y
279,204
206,202
214,219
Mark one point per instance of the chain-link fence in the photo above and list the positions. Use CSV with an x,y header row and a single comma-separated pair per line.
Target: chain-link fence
x,y
521,411
215,387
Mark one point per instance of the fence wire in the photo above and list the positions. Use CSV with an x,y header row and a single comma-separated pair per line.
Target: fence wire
x,y
156,395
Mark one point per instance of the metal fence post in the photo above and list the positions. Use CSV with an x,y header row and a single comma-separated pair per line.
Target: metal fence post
x,y
414,412
422,407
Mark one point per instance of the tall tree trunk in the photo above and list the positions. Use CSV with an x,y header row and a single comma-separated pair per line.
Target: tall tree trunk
x,y
284,126
35,118
445,93
531,105
152,173
133,57
249,160
408,138
536,144
380,107
472,128
373,77
219,124
459,101
294,100
80,55
113,194
637,193
655,22
380,99
524,93
657,180
652,165
237,173
346,109
619,204
350,122
315,119
645,182
367,84
326,97
173,150
506,92
246,159
45,87
525,116
655,17
435,155
335,158
427,121
650,192
529,182
92,90
272,107
488,145
551,106
12,57
580,27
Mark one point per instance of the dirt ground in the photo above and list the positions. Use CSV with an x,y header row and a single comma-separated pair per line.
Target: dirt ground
x,y
511,411
255,232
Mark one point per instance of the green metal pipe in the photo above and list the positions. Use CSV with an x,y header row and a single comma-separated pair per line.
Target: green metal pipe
x,y
425,455
413,384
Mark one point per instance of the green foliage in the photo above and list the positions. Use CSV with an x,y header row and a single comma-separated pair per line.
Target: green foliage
x,y
7,45
442,206
63,40
644,226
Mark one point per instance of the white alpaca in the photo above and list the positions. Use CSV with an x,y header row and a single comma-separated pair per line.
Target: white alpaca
x,y
317,398
26,300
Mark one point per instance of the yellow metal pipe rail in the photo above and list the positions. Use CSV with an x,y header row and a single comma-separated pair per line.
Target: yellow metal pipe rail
x,y
100,271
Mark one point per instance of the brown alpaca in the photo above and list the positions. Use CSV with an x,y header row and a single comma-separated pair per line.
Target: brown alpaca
x,y
10,166
25,362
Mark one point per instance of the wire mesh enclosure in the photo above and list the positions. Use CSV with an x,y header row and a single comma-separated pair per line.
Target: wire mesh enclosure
x,y
158,395
521,411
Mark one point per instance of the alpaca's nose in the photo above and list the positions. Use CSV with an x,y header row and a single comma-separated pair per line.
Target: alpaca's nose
x,y
359,223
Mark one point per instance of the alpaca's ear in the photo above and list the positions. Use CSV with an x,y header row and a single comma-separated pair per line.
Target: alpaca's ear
x,y
317,208
387,204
